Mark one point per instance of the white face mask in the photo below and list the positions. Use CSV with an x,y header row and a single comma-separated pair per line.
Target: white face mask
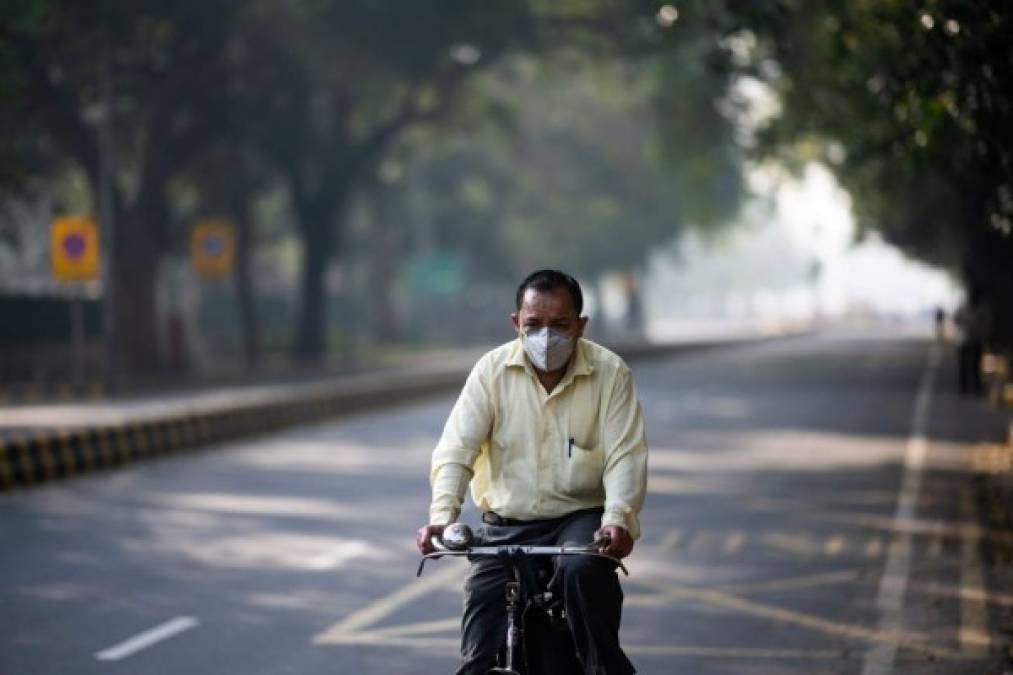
x,y
547,349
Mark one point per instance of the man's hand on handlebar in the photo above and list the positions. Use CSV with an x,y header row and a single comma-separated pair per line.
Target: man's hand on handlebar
x,y
424,536
619,544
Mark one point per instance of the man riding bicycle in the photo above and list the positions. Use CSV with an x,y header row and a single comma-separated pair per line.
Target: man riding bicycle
x,y
549,433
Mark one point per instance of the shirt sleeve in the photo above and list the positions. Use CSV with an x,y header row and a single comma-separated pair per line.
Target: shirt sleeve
x,y
625,476
467,428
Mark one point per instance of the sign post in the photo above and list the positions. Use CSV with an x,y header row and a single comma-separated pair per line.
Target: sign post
x,y
74,248
74,253
213,248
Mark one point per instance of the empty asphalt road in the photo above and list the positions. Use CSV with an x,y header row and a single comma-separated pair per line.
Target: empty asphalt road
x,y
810,511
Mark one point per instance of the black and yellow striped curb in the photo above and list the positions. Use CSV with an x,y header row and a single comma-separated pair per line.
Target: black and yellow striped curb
x,y
37,457
44,455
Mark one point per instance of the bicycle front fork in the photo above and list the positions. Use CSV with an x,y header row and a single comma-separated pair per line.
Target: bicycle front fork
x,y
515,631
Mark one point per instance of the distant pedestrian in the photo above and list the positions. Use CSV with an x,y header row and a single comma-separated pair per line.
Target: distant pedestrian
x,y
975,322
940,316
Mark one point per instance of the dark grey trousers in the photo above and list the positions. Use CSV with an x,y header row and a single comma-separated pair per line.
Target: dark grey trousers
x,y
592,597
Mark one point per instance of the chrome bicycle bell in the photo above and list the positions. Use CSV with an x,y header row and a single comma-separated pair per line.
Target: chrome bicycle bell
x,y
457,536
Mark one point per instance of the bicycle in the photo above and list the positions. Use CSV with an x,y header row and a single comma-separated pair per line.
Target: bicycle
x,y
530,587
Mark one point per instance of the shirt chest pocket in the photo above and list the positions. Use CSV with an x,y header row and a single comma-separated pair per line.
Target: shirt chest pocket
x,y
582,470
584,460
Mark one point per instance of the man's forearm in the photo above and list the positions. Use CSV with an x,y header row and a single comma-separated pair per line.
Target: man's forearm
x,y
625,487
449,481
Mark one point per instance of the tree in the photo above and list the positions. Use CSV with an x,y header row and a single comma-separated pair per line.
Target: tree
x,y
165,68
331,96
909,104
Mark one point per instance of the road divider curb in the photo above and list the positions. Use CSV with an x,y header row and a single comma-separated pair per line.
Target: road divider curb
x,y
44,455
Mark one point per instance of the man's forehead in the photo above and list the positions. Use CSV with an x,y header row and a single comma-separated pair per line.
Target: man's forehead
x,y
555,302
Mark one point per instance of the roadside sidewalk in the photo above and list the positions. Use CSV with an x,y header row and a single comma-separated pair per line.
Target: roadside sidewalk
x,y
976,437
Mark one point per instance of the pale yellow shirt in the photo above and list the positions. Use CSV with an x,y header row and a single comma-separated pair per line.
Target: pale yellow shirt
x,y
532,455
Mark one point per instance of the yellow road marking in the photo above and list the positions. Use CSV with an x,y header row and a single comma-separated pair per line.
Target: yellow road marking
x,y
734,542
358,627
791,543
643,600
734,652
389,603
974,634
428,642
791,583
834,545
908,640
420,628
392,638
966,594
910,526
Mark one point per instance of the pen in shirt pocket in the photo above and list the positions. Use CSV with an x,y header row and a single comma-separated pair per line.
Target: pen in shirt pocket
x,y
569,447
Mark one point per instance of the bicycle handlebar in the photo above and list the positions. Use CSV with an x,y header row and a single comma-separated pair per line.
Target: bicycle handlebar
x,y
591,550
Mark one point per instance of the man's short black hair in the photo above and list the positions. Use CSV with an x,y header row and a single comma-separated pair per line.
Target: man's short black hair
x,y
550,280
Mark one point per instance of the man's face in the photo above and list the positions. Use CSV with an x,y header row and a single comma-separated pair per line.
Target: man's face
x,y
553,308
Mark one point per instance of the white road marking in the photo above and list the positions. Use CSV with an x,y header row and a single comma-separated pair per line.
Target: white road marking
x,y
147,638
893,584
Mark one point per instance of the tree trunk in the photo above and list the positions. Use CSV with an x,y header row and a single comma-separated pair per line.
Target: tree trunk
x,y
245,295
383,257
137,262
311,343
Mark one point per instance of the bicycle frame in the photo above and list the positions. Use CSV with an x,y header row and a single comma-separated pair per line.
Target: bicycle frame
x,y
513,557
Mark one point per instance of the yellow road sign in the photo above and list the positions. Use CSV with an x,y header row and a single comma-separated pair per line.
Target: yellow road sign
x,y
213,247
74,248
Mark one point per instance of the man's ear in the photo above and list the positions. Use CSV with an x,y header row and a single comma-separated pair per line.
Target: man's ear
x,y
581,325
515,319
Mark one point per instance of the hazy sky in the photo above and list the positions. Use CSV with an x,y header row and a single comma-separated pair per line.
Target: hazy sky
x,y
761,271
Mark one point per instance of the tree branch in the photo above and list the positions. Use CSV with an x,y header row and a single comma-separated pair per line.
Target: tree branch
x,y
57,108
